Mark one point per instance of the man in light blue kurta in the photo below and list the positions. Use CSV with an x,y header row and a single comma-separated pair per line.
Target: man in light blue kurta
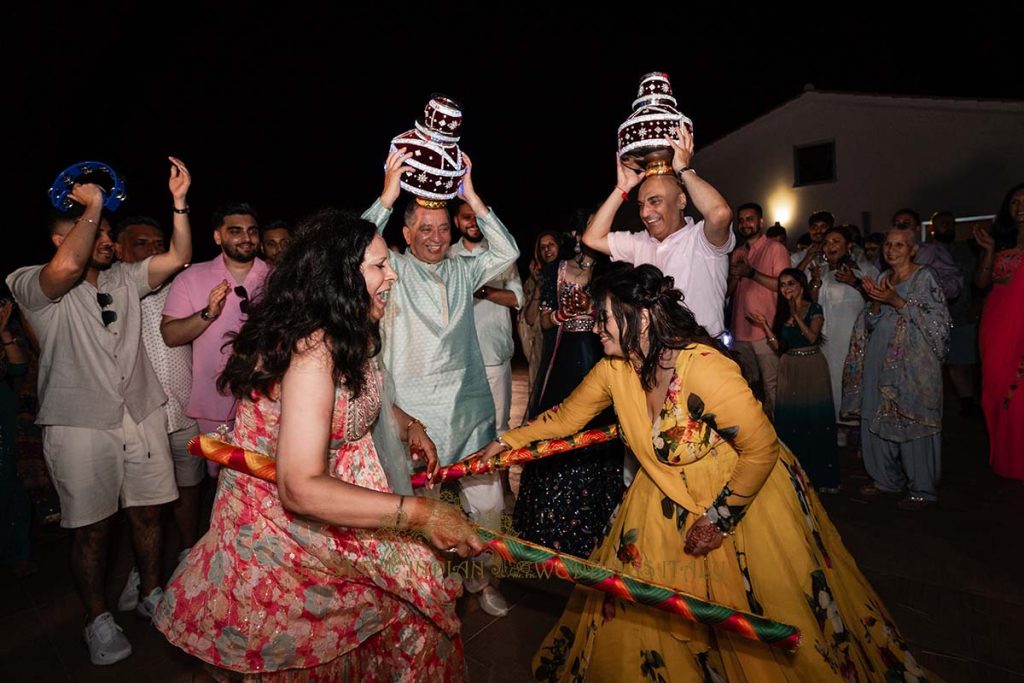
x,y
430,342
428,330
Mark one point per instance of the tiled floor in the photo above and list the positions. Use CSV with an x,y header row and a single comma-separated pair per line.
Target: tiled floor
x,y
950,574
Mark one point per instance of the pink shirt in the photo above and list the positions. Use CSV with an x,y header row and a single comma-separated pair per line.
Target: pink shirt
x,y
698,266
190,292
767,257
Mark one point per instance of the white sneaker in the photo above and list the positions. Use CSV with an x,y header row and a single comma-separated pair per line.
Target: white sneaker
x,y
147,606
129,599
106,640
493,602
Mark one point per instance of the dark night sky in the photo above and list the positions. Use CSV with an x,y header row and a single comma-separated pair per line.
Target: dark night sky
x,y
294,111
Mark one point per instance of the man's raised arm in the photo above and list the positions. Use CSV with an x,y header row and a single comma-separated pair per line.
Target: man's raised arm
x,y
74,250
502,249
706,199
394,168
596,234
163,266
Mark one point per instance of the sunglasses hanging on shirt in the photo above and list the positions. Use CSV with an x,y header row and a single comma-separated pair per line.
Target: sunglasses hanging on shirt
x,y
108,315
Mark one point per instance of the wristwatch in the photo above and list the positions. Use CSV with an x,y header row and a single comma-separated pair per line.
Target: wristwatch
x,y
205,314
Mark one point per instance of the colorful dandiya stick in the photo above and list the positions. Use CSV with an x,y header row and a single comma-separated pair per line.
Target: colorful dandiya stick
x,y
233,457
641,592
536,451
565,567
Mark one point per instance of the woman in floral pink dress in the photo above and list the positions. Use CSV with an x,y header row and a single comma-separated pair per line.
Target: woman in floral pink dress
x,y
317,577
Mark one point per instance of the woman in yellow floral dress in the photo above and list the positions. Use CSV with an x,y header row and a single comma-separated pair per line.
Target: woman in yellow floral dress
x,y
720,509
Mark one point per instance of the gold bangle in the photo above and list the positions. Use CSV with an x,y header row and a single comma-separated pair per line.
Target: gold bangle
x,y
414,421
87,220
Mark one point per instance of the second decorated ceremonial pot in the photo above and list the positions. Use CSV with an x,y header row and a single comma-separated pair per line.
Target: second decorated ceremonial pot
x,y
642,142
436,157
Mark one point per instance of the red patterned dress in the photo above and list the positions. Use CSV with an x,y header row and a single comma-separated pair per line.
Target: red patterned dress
x,y
268,595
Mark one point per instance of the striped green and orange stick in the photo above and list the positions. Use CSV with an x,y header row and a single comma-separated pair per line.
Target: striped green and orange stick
x,y
631,589
565,567
535,451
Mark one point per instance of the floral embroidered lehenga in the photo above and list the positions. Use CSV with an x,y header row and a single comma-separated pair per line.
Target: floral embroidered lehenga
x,y
712,450
266,592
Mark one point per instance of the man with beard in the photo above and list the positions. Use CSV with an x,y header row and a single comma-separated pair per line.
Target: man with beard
x,y
962,359
695,255
754,272
274,238
207,302
492,314
104,435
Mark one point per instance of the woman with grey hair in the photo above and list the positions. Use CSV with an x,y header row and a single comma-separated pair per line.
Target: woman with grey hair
x,y
893,377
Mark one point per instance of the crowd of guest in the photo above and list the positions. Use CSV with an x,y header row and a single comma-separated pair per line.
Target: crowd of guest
x,y
844,341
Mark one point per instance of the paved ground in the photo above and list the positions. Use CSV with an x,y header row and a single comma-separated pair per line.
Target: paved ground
x,y
950,574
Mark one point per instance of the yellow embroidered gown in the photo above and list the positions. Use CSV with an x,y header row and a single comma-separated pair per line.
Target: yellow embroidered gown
x,y
712,448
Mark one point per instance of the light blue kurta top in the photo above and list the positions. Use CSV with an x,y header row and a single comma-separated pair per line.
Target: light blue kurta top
x,y
430,343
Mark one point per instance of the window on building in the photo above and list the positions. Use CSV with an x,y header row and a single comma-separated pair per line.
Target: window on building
x,y
814,163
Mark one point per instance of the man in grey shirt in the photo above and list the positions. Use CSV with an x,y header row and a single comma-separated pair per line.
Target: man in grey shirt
x,y
104,436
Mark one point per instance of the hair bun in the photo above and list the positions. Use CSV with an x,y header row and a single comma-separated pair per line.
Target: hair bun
x,y
667,292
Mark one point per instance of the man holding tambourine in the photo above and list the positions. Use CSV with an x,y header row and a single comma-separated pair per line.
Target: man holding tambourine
x,y
104,436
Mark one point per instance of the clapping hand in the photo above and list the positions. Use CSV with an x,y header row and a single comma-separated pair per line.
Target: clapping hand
x,y
218,295
845,275
881,292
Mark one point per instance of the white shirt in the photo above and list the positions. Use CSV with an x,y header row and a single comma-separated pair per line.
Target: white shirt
x,y
172,365
493,321
699,267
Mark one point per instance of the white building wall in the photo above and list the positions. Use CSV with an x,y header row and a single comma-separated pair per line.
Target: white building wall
x,y
891,152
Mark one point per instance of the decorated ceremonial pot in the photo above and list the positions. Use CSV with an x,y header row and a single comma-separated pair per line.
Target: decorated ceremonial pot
x,y
642,136
436,157
87,172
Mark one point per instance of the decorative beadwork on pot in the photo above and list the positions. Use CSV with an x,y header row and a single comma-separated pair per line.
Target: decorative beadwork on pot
x,y
436,157
655,115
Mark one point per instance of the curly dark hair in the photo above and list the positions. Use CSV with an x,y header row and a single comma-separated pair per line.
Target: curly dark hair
x,y
316,286
1004,227
633,290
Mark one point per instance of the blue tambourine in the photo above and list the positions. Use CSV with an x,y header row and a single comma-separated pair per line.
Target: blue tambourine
x,y
110,181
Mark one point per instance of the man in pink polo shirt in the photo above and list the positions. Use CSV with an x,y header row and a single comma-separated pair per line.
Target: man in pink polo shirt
x,y
754,272
208,301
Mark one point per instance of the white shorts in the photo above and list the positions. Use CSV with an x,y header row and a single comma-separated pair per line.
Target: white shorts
x,y
189,470
95,469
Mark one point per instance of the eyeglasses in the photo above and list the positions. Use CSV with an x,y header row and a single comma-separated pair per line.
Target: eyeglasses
x,y
243,295
104,299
